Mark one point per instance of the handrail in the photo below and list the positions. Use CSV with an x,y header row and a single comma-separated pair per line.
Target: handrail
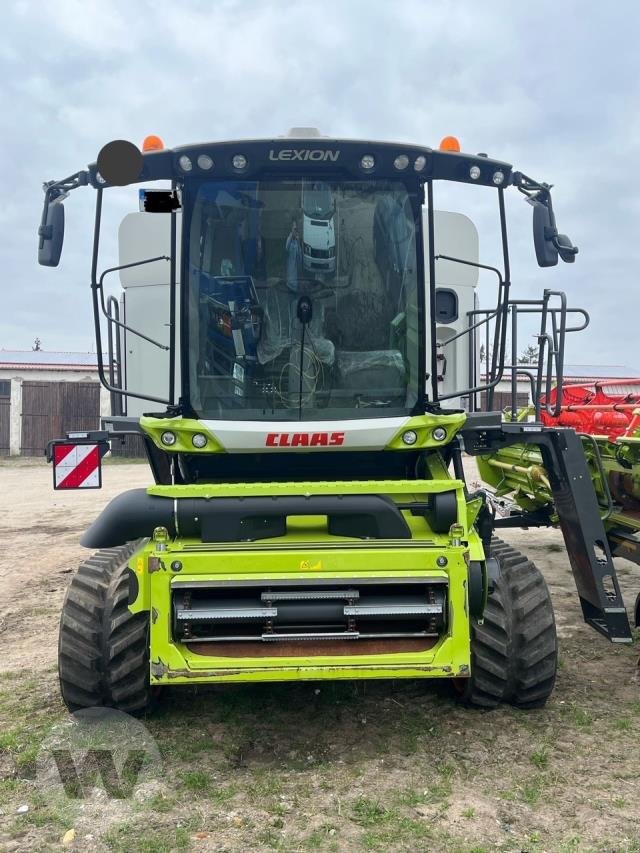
x,y
117,322
549,366
115,364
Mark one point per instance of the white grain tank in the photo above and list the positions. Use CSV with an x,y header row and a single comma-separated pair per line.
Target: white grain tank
x,y
456,295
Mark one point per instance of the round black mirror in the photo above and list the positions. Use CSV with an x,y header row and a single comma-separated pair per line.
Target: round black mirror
x,y
543,233
51,234
120,162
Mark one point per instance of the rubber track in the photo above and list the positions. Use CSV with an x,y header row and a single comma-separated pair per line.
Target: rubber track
x,y
103,651
514,650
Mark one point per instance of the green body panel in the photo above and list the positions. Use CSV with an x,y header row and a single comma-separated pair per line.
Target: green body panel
x,y
172,662
308,551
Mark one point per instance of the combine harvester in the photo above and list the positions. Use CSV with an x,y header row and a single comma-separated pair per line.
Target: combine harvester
x,y
296,344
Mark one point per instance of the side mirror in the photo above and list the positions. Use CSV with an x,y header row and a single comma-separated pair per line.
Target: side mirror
x,y
51,234
544,232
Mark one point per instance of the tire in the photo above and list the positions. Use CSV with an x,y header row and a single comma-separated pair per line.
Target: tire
x,y
103,649
514,650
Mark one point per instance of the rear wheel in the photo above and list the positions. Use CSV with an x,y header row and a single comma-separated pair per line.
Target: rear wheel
x,y
103,650
514,649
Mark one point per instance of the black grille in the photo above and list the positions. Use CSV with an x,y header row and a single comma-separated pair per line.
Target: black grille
x,y
349,610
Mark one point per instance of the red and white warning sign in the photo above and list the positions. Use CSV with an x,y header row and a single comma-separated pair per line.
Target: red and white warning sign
x,y
76,466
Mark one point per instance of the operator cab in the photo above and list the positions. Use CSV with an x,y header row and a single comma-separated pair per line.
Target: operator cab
x,y
309,279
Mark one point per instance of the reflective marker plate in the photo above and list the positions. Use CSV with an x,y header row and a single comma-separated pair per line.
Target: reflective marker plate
x,y
76,466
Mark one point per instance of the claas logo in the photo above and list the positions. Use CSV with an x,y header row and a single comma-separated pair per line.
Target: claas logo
x,y
304,439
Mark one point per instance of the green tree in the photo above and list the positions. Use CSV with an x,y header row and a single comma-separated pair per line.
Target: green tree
x,y
529,355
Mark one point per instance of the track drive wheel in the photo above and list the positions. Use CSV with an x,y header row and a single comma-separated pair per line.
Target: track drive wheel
x,y
103,649
514,650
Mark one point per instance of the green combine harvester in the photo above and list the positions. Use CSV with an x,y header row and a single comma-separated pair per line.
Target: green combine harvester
x,y
310,517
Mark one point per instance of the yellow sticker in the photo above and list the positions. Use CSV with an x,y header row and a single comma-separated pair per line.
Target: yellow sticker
x,y
139,565
305,566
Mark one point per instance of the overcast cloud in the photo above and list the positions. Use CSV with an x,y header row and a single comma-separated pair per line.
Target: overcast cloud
x,y
550,86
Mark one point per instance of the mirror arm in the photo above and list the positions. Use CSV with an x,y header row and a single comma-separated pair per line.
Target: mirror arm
x,y
534,192
53,189
57,191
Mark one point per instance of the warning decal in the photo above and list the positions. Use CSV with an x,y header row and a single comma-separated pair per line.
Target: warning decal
x,y
76,466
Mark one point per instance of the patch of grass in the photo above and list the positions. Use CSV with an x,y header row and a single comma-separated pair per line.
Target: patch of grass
x,y
26,717
435,793
51,822
324,837
182,742
9,787
578,716
469,813
222,793
272,838
397,830
620,802
40,816
532,789
9,740
197,780
508,795
531,792
201,782
622,724
161,803
368,812
142,839
413,798
570,845
265,784
385,825
540,758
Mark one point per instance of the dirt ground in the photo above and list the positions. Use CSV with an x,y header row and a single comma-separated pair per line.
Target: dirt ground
x,y
342,767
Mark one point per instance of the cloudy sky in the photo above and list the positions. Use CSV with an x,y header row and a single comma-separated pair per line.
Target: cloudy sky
x,y
551,86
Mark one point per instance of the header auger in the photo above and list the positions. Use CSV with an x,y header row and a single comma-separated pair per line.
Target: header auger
x,y
301,336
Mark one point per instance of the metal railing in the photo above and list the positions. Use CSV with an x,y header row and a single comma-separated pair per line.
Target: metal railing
x,y
499,328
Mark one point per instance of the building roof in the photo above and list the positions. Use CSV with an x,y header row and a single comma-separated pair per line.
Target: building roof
x,y
586,372
600,371
43,359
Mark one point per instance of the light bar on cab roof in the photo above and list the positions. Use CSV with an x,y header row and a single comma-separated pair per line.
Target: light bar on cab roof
x,y
257,159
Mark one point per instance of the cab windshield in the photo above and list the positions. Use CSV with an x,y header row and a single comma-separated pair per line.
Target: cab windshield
x,y
302,300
